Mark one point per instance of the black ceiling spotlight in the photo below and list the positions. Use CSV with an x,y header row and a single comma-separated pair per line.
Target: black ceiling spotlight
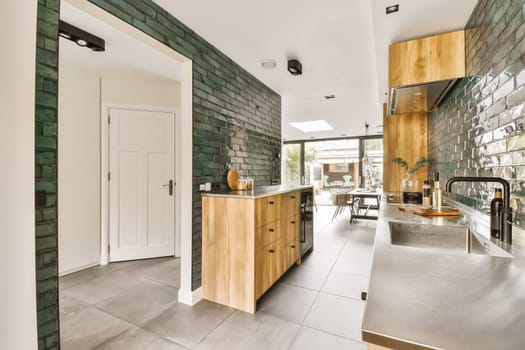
x,y
81,37
295,67
392,8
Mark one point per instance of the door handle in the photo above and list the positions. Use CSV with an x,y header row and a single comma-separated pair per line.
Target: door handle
x,y
170,187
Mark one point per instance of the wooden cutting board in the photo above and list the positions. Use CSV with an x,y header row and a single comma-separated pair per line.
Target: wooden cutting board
x,y
418,210
233,179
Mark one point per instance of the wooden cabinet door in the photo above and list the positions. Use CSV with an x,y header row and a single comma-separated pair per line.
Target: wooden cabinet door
x,y
433,58
267,209
404,136
278,263
291,228
293,253
263,275
290,204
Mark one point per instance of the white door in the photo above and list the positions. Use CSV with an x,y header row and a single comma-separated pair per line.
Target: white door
x,y
141,187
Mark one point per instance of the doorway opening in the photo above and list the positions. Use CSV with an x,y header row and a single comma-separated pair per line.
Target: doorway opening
x,y
124,120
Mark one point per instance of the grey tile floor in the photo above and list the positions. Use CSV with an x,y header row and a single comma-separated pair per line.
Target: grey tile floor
x,y
133,305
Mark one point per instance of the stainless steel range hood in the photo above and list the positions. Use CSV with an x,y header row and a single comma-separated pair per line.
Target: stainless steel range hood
x,y
418,98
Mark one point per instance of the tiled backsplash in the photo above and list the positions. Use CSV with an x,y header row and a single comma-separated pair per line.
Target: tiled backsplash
x,y
480,127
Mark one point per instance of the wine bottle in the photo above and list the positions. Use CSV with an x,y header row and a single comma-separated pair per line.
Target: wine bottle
x,y
495,214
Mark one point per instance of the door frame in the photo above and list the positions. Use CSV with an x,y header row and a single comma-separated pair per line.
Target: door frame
x,y
184,139
105,166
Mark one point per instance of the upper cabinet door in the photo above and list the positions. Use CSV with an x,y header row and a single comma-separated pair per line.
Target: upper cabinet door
x,y
434,58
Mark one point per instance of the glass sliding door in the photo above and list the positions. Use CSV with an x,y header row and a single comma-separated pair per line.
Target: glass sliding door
x,y
292,164
333,165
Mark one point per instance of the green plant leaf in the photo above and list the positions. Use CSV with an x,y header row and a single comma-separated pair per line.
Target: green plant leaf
x,y
420,163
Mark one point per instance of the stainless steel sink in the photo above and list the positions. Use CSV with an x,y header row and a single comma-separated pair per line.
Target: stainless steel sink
x,y
449,238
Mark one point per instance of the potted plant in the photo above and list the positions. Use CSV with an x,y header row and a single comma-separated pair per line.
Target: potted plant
x,y
408,184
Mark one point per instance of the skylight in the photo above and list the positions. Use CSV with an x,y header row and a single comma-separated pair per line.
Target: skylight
x,y
311,126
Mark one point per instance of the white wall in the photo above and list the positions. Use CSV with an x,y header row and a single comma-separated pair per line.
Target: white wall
x,y
78,168
17,228
140,89
82,92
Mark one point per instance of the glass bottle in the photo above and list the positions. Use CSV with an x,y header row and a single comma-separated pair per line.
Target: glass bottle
x,y
495,214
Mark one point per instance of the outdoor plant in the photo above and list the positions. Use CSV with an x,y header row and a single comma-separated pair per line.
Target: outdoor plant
x,y
421,163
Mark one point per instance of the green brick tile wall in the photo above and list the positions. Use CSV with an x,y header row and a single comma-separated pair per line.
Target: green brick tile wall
x,y
46,102
236,122
480,127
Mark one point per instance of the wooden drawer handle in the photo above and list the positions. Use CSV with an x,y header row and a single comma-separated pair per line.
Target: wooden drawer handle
x,y
272,251
292,197
271,230
293,246
293,222
270,202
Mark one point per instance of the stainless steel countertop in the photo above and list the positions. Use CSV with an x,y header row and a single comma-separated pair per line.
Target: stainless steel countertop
x,y
258,192
428,299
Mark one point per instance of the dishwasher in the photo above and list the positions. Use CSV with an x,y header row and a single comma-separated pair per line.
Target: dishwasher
x,y
307,221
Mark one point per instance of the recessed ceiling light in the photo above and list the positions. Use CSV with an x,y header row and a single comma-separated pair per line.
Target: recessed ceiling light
x,y
268,63
311,126
418,93
329,97
392,9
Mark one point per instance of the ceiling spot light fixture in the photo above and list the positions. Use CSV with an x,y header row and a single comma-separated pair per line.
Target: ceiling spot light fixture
x,y
81,37
330,97
392,8
268,63
295,67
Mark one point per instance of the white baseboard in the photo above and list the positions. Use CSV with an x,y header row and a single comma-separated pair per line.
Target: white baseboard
x,y
77,269
190,298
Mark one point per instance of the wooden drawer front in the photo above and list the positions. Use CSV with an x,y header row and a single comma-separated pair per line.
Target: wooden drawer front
x,y
270,264
293,253
290,204
291,228
267,234
267,209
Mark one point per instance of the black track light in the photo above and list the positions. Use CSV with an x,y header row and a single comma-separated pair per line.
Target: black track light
x,y
81,37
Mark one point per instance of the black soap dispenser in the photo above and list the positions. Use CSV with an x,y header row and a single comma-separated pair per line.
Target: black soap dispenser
x,y
495,214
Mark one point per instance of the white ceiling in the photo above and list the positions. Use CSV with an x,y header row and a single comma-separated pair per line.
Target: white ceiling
x,y
124,53
342,44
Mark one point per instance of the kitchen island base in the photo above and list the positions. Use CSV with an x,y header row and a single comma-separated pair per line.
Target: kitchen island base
x,y
248,243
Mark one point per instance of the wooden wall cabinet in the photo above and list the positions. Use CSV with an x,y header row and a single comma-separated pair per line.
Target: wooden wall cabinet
x,y
247,245
404,136
433,58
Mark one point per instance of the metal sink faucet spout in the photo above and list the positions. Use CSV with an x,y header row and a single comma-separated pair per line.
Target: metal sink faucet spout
x,y
506,232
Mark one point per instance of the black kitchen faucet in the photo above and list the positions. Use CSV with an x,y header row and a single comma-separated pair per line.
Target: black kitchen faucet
x,y
506,212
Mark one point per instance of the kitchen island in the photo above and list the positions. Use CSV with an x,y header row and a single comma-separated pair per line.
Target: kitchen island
x,y
425,298
249,240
